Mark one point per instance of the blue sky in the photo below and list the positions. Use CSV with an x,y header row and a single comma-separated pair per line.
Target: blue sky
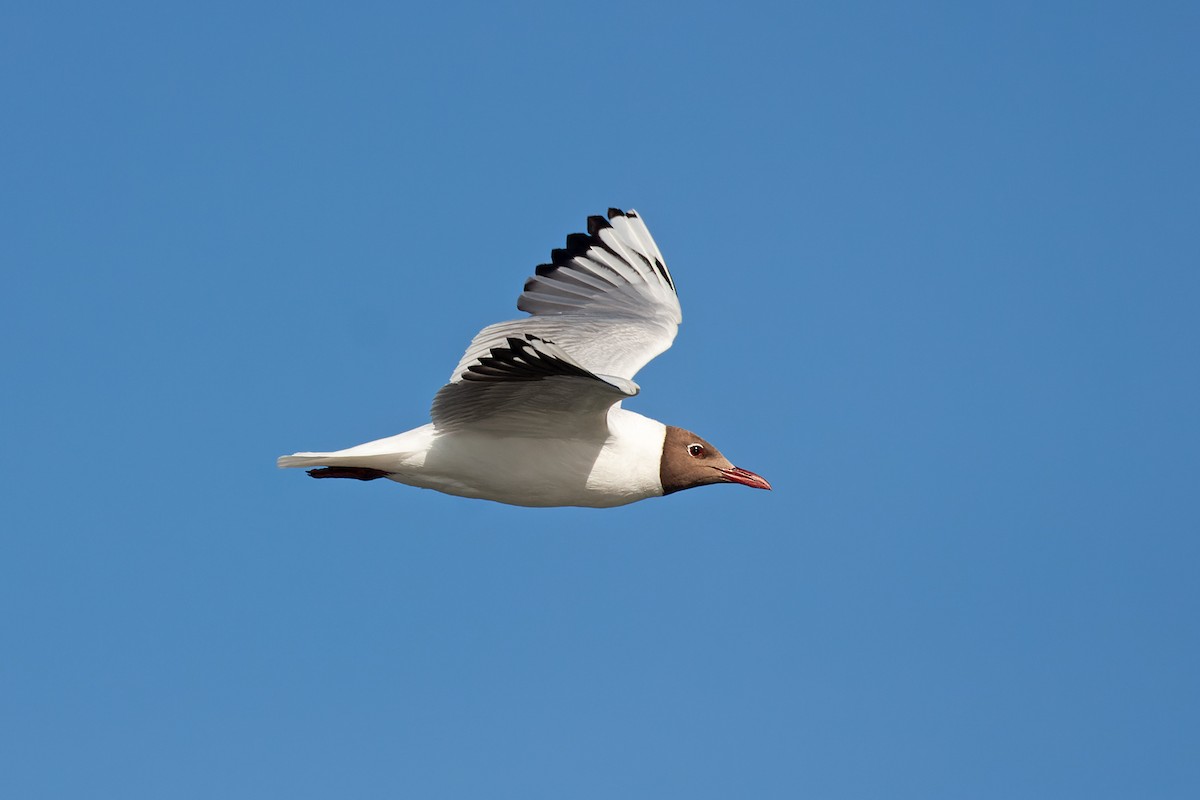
x,y
940,281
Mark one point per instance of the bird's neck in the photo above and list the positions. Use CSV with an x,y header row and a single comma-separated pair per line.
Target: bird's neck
x,y
629,461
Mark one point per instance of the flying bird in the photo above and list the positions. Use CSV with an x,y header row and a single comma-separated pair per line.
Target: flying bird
x,y
532,414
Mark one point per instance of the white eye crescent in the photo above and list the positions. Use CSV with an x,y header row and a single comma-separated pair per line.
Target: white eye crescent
x,y
696,450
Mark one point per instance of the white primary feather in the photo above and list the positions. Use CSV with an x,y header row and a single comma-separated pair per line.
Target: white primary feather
x,y
607,299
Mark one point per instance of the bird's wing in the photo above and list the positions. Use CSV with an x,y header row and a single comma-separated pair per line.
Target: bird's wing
x,y
529,387
606,298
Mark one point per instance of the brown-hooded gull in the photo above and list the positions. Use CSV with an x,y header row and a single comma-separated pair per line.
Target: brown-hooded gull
x,y
532,413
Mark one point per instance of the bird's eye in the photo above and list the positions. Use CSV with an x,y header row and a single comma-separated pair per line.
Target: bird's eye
x,y
696,450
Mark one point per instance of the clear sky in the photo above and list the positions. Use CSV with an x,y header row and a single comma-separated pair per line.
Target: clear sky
x,y
941,286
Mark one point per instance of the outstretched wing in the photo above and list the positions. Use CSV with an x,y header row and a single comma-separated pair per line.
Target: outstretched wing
x,y
529,387
606,298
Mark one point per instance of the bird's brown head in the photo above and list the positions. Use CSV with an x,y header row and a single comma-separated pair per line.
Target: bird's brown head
x,y
687,461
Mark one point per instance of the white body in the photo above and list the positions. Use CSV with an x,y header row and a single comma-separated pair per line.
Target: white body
x,y
532,413
519,470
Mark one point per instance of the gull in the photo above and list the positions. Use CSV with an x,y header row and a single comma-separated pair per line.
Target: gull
x,y
532,414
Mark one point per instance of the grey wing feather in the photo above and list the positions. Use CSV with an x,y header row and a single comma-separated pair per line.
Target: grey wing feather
x,y
529,387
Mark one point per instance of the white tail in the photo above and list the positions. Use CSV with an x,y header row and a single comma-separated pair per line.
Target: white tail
x,y
383,461
388,454
303,460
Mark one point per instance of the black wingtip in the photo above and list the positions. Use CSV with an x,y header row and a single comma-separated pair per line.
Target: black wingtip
x,y
616,212
520,360
577,245
578,242
596,223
